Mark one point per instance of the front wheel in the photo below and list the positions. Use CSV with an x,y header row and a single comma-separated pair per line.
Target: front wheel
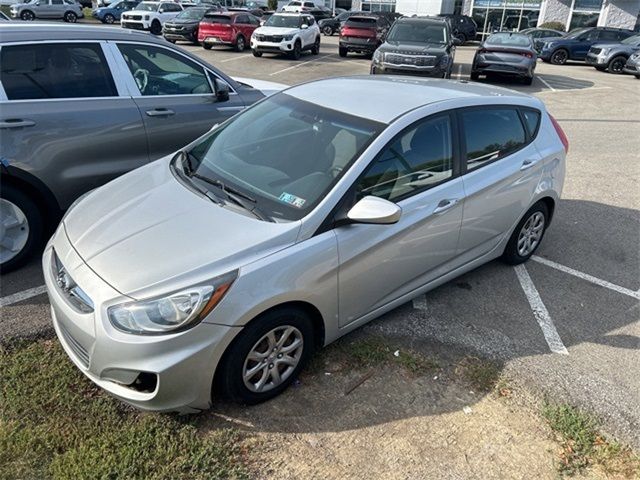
x,y
27,15
257,54
70,17
527,235
297,51
315,50
616,65
156,28
475,76
21,228
266,357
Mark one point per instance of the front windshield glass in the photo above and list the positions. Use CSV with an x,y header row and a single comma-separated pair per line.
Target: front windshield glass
x,y
576,33
633,40
284,152
192,14
285,21
417,32
147,7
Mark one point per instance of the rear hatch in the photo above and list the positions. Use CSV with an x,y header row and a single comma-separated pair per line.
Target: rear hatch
x,y
216,25
505,55
359,28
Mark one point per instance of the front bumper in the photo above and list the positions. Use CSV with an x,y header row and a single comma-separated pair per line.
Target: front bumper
x,y
631,69
596,60
389,69
136,24
284,46
181,365
190,36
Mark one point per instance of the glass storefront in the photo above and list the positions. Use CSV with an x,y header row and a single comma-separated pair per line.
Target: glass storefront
x,y
585,13
379,5
505,15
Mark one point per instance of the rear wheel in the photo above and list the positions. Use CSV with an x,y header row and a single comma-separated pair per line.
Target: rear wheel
x,y
559,57
342,51
527,235
327,30
108,18
21,228
267,356
616,65
461,37
527,80
27,15
241,44
475,76
256,53
70,17
206,46
156,28
315,50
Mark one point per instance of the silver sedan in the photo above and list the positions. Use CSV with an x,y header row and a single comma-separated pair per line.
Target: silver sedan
x,y
221,268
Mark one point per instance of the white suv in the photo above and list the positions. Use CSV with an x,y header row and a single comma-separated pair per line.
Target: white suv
x,y
299,6
289,33
150,16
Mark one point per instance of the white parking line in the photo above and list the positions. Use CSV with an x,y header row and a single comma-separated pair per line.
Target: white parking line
x,y
238,57
299,65
540,312
587,277
23,295
575,89
545,83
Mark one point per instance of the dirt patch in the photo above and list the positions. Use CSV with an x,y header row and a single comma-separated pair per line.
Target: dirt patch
x,y
396,424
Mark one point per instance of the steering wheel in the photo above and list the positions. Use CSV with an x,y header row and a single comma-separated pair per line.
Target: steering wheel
x,y
141,76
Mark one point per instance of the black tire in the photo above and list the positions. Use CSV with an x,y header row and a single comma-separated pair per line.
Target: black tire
x,y
27,15
170,41
108,18
527,80
559,57
229,379
637,77
241,44
256,53
461,36
315,50
297,50
206,46
156,28
35,222
616,65
475,76
510,254
327,30
70,17
342,51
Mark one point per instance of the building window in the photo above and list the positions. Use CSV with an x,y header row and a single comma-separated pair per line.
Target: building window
x,y
585,13
379,5
499,15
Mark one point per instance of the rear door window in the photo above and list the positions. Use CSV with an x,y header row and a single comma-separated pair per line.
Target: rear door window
x,y
57,70
491,134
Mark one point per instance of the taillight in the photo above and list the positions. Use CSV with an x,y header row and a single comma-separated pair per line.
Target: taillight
x,y
560,132
527,54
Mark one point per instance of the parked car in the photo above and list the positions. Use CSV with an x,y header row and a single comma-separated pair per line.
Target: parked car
x,y
362,34
112,13
505,53
233,29
465,172
613,56
329,26
81,105
320,14
289,33
67,10
632,66
298,6
150,15
185,25
462,27
576,44
416,46
542,35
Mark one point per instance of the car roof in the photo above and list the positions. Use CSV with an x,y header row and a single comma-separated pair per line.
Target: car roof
x,y
418,19
38,32
383,98
291,14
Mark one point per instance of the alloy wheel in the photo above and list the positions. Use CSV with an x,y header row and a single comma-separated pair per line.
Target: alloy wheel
x,y
559,58
273,359
617,65
108,18
14,230
530,234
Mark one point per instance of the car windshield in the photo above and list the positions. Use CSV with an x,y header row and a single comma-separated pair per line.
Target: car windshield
x,y
284,152
576,33
192,14
633,40
285,21
509,40
147,7
417,32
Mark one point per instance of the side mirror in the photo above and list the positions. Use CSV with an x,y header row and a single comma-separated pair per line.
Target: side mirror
x,y
222,91
304,26
374,210
456,41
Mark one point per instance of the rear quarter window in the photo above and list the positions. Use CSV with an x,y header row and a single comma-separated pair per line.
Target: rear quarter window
x,y
532,121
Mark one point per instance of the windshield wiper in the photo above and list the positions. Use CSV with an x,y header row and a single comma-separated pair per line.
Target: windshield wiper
x,y
203,192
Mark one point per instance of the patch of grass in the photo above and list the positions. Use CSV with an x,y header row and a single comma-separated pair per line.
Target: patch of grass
x,y
583,446
55,424
415,363
482,375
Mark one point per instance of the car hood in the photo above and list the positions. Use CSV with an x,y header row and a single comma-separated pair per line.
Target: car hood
x,y
413,48
146,229
138,12
183,21
276,31
267,88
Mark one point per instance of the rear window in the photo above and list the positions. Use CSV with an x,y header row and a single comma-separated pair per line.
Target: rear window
x,y
41,71
224,19
510,40
361,22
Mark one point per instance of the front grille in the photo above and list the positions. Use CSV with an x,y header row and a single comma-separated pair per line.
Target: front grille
x,y
79,351
68,288
269,38
413,60
595,51
134,17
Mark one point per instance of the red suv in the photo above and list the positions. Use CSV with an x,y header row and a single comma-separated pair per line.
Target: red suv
x,y
228,28
362,34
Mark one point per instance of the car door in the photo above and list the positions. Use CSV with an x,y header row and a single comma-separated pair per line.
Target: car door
x,y
242,26
47,8
379,263
177,99
65,118
501,170
580,48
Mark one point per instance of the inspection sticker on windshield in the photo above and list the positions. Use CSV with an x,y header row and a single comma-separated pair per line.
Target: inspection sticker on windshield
x,y
292,200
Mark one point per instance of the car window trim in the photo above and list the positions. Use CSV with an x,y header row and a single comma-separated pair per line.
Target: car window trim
x,y
463,141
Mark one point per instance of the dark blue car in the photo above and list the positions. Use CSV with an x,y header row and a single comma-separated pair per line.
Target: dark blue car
x,y
112,12
576,44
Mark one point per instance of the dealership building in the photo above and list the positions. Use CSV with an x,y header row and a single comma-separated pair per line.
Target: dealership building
x,y
491,15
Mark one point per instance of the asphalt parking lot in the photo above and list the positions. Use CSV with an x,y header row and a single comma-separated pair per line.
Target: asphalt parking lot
x,y
568,322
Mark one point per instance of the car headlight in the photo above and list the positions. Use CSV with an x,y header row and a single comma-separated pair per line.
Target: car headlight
x,y
378,56
605,51
288,38
175,312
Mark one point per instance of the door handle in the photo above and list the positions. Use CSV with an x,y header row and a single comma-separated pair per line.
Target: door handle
x,y
529,163
160,112
445,205
16,123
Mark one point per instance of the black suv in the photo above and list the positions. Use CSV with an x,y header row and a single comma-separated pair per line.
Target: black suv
x,y
417,46
462,26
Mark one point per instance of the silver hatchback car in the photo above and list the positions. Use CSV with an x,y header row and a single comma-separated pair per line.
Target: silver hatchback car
x,y
219,269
